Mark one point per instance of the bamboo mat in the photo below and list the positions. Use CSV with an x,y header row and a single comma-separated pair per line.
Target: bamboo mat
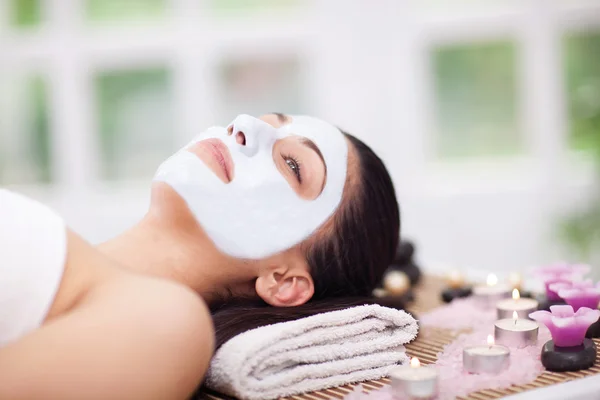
x,y
426,347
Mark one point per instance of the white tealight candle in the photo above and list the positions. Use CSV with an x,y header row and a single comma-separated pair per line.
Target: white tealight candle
x,y
523,307
490,293
515,280
516,332
414,381
490,359
455,279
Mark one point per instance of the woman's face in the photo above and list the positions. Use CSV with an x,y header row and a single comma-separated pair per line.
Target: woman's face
x,y
261,186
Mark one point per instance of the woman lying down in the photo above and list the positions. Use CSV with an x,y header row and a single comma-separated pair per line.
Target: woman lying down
x,y
283,209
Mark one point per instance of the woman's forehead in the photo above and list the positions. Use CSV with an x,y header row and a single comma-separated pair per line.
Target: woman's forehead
x,y
353,171
275,119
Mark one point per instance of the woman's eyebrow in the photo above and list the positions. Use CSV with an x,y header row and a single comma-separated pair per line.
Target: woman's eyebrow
x,y
281,118
311,145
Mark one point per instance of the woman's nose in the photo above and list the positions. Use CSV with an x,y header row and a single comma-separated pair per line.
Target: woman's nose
x,y
250,133
240,136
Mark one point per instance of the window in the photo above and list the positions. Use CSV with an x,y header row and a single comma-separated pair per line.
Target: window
x,y
24,131
582,73
257,86
129,10
252,6
135,121
476,101
463,7
25,13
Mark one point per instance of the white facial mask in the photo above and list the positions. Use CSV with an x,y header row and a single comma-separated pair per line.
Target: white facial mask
x,y
258,213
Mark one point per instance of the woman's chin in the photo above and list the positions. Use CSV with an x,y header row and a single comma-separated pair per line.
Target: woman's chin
x,y
165,200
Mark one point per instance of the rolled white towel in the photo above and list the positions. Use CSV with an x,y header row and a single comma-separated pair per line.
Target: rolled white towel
x,y
317,352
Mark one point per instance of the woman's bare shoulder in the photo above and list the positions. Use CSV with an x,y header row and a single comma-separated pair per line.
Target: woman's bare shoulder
x,y
130,337
162,301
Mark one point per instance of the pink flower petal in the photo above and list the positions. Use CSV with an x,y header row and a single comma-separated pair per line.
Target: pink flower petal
x,y
583,297
570,293
542,316
592,291
581,268
559,322
587,315
583,284
574,292
558,286
562,311
583,311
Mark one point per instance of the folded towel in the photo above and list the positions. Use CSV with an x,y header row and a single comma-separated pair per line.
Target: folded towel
x,y
313,353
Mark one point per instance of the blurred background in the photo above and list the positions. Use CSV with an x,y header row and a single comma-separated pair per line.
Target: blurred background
x,y
487,112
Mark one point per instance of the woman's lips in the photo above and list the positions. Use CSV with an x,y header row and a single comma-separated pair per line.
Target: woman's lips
x,y
216,156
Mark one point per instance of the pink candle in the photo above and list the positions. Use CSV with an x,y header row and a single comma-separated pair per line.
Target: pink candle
x,y
560,273
566,326
551,294
578,294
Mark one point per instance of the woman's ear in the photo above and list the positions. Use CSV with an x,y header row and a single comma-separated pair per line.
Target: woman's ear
x,y
285,287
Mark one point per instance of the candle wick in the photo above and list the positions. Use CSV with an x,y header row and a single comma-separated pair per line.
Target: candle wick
x,y
515,322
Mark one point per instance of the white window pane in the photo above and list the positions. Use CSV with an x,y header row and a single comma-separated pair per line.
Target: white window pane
x,y
259,86
135,121
476,101
458,7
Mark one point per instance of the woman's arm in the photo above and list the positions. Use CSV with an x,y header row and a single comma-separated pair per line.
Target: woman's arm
x,y
132,338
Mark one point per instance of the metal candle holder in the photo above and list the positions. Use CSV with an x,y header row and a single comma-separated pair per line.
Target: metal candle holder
x,y
486,359
415,382
523,307
491,293
516,332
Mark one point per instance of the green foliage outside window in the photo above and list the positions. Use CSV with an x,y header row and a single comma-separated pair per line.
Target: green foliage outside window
x,y
581,231
475,92
25,13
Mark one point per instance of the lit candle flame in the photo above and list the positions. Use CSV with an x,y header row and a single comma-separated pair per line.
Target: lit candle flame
x,y
490,340
515,317
492,280
415,363
515,294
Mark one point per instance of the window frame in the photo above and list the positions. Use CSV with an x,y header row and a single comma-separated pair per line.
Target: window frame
x,y
191,37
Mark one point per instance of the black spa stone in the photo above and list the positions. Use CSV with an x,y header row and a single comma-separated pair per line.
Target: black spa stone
x,y
545,304
562,359
397,302
450,294
527,294
404,252
594,330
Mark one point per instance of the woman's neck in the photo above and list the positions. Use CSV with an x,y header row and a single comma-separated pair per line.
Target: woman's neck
x,y
166,248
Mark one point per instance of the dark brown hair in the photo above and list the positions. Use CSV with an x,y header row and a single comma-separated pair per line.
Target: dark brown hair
x,y
346,264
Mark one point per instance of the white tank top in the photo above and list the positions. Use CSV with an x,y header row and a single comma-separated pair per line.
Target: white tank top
x,y
33,248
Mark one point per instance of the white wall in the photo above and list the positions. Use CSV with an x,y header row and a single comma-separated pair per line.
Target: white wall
x,y
369,73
